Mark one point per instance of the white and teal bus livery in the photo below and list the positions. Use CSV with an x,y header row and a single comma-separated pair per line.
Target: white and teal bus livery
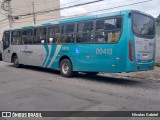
x,y
116,42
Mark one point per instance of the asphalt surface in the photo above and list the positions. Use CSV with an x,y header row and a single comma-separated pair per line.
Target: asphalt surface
x,y
37,89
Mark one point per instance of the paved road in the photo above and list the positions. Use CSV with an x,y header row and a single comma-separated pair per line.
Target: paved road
x,y
37,89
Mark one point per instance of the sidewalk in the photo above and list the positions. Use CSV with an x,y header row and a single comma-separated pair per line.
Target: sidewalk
x,y
149,75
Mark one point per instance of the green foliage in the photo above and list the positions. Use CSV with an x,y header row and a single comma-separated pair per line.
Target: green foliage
x,y
157,64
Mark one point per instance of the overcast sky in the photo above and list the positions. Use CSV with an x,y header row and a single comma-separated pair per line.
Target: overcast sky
x,y
151,7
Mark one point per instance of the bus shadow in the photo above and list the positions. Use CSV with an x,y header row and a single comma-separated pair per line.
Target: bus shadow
x,y
95,78
112,80
38,69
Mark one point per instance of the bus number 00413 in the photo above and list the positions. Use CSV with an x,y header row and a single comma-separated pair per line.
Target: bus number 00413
x,y
104,51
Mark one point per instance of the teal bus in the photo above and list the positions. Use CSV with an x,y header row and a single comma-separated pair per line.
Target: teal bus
x,y
122,41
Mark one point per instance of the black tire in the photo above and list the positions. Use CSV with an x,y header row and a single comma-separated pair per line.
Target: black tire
x,y
66,68
16,61
91,73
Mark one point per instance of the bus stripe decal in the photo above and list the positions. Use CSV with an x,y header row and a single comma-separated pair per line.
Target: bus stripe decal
x,y
52,51
47,52
55,55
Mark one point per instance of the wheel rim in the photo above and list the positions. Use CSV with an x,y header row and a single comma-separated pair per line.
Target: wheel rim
x,y
65,68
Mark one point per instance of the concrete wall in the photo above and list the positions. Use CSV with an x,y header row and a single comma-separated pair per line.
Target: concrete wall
x,y
158,45
25,6
40,5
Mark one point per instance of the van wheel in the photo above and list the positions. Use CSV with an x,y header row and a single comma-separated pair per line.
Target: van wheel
x,y
16,61
66,68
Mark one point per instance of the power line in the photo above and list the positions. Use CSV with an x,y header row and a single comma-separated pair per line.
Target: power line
x,y
4,26
97,10
3,14
30,5
47,11
61,4
123,6
3,19
91,11
100,10
66,4
42,12
23,21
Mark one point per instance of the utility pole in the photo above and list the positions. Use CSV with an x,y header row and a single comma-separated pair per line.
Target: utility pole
x,y
9,13
34,16
6,6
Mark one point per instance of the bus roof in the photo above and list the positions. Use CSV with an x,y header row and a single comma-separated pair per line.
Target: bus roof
x,y
73,19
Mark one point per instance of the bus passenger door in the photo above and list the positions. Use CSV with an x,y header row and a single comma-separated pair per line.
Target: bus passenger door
x,y
6,47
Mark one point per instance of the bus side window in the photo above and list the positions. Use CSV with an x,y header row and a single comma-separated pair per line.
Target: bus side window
x,y
85,32
57,34
27,36
67,33
16,37
108,30
53,34
40,35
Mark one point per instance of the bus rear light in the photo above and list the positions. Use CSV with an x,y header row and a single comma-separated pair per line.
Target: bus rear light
x,y
131,51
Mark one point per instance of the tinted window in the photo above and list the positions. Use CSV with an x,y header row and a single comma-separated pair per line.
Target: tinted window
x,y
6,40
16,37
27,36
67,33
40,35
109,24
85,26
143,25
54,34
108,30
85,33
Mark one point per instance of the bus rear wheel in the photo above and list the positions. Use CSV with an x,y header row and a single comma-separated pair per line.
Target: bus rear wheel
x,y
16,61
66,68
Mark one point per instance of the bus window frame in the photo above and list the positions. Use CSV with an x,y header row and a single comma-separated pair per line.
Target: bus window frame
x,y
121,29
64,33
51,26
76,33
3,39
141,36
11,38
35,28
32,36
94,27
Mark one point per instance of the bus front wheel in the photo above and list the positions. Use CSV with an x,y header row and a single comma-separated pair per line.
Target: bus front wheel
x,y
66,68
16,61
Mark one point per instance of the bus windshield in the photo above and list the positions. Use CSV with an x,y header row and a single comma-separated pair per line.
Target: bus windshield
x,y
143,25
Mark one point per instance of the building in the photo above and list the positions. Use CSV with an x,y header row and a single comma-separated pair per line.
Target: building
x,y
158,45
24,7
